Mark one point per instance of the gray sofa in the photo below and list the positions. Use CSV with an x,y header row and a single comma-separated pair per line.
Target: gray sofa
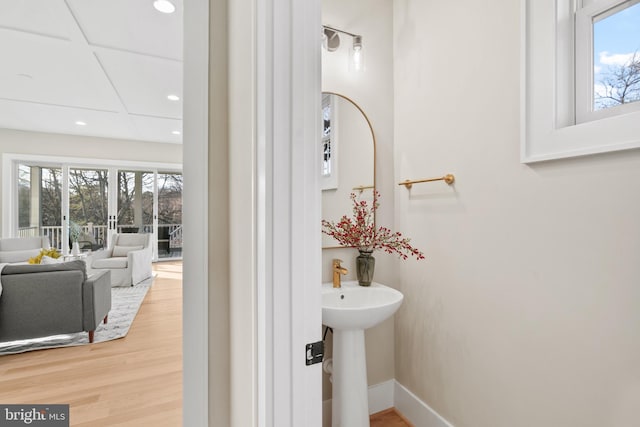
x,y
50,299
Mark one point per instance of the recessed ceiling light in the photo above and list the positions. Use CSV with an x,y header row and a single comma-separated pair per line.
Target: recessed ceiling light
x,y
176,132
173,97
164,6
81,123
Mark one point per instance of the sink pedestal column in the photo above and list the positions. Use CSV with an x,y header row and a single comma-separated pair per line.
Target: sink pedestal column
x,y
350,399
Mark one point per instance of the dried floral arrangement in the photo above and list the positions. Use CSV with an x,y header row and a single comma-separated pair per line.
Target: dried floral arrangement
x,y
359,231
51,253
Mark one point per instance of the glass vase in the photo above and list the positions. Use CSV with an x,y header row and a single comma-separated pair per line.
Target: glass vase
x,y
75,248
365,265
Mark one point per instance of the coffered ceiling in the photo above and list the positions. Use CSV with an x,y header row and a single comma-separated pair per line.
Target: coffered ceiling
x,y
107,63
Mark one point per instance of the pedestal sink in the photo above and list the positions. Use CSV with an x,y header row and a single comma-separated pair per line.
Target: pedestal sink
x,y
349,310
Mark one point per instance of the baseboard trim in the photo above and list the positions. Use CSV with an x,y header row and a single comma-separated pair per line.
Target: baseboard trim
x,y
415,410
390,394
380,398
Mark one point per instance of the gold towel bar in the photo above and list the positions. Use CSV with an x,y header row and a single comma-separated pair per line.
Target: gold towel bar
x,y
361,188
448,178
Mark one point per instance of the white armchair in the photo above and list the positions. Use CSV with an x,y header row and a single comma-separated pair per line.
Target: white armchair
x,y
128,258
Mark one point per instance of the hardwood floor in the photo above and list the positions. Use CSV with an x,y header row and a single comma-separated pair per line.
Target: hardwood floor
x,y
133,381
389,418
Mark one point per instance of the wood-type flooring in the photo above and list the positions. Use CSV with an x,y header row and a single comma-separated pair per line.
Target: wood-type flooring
x,y
389,418
134,381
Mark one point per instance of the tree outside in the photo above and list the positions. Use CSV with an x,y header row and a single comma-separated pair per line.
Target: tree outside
x,y
88,201
619,83
48,181
616,55
169,198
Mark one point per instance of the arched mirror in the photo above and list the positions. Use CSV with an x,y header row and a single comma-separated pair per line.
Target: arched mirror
x,y
349,158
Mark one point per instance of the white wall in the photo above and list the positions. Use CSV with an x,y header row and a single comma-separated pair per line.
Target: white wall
x,y
16,141
527,310
373,91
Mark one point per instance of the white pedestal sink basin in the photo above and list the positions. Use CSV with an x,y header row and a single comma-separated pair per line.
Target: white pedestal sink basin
x,y
349,310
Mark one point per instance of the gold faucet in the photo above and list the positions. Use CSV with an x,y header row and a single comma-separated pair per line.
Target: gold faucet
x,y
337,271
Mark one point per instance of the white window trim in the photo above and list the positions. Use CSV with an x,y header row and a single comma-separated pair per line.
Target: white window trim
x,y
546,129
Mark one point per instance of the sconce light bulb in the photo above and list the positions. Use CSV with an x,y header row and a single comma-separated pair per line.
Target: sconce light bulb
x,y
357,61
356,54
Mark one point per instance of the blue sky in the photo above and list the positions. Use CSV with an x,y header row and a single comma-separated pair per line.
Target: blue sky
x,y
615,37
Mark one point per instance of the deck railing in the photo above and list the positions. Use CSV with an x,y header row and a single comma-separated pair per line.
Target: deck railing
x,y
175,237
99,233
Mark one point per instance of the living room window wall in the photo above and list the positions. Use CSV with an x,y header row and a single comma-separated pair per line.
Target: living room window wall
x,y
98,200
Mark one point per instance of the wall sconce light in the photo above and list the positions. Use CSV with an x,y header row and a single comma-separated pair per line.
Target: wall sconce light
x,y
331,42
330,39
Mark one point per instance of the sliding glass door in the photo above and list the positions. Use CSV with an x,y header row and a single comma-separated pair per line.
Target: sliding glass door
x,y
96,202
135,201
88,206
169,215
39,202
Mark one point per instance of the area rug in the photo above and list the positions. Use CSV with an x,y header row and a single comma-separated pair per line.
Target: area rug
x,y
125,303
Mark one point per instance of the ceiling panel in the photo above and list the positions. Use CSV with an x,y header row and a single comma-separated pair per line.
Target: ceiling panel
x,y
152,129
52,71
117,24
144,82
48,17
108,63
47,118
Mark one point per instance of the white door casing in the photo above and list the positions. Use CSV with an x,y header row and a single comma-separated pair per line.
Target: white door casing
x,y
288,107
274,213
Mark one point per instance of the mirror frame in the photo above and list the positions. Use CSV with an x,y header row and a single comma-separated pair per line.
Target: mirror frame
x,y
373,137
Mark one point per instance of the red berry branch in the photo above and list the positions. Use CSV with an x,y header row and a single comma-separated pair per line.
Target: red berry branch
x,y
359,231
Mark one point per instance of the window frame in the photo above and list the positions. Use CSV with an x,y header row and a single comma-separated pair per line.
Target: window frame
x,y
584,74
548,126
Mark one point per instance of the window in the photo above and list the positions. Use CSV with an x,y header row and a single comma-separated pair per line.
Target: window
x,y
326,136
580,82
39,202
607,59
49,196
329,143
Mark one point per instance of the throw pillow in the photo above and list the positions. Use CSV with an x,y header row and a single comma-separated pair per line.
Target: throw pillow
x,y
50,260
120,251
51,253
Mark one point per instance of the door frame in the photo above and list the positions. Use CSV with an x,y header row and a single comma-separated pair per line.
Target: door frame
x,y
195,214
271,52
